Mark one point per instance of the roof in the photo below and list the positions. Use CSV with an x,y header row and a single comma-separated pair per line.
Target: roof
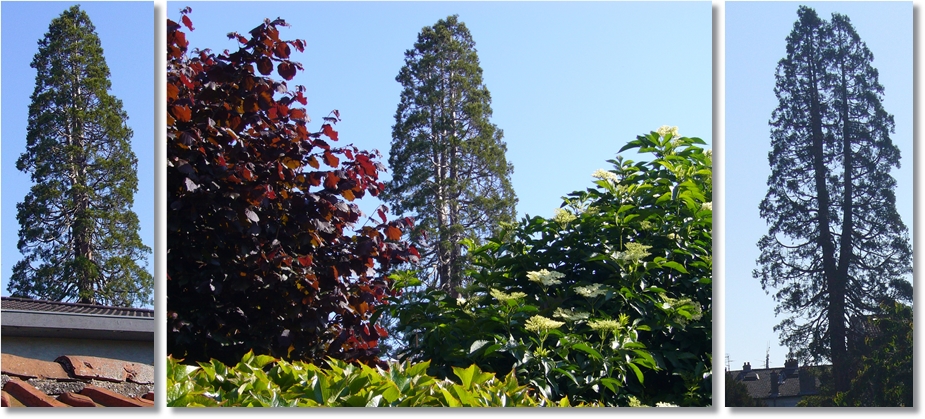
x,y
39,318
758,382
27,304
73,380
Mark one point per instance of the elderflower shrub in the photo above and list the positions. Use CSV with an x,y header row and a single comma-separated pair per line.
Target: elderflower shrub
x,y
633,304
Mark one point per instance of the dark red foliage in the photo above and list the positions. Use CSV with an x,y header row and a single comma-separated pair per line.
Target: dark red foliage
x,y
257,255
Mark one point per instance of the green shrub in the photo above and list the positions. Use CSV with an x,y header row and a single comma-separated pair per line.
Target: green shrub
x,y
609,301
262,381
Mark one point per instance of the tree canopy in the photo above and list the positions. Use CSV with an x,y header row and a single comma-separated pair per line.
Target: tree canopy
x,y
78,234
447,159
836,245
258,211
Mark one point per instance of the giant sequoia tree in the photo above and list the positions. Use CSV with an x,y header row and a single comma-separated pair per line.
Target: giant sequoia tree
x,y
836,247
448,161
78,234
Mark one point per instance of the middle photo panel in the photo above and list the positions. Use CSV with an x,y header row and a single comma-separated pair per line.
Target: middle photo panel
x,y
449,204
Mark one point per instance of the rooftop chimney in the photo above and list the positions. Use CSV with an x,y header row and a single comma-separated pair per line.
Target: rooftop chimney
x,y
746,367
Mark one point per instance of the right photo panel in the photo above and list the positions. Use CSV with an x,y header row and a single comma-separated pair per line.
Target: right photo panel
x,y
819,204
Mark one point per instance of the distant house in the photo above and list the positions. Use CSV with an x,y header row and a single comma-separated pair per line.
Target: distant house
x,y
68,354
778,387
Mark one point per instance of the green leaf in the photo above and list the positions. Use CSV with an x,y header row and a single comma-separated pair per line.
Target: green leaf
x,y
676,266
589,350
636,370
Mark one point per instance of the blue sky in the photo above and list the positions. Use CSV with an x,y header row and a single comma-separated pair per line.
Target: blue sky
x,y
126,33
571,83
755,42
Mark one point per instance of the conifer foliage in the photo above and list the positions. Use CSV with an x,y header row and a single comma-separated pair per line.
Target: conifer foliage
x,y
258,207
836,246
78,235
448,160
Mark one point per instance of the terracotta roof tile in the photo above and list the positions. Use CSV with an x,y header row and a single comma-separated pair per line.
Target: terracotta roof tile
x,y
30,396
91,367
32,368
76,400
111,398
76,381
27,304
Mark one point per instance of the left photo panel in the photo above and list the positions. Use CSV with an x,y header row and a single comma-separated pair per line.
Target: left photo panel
x,y
77,204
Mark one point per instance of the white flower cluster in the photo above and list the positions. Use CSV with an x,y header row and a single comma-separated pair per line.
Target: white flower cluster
x,y
563,217
542,324
664,130
590,291
570,315
707,206
634,252
605,175
505,297
545,277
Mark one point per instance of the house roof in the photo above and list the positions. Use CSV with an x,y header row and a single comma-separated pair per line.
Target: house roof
x,y
26,304
73,380
758,382
39,318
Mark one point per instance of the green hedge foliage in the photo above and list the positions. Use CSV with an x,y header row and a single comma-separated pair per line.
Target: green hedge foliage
x,y
263,381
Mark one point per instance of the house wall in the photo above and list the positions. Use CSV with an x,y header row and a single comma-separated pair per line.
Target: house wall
x,y
48,349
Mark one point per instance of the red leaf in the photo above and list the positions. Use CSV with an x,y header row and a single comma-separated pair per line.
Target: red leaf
x,y
381,331
382,215
173,91
279,169
286,70
301,99
330,181
306,260
187,22
327,130
182,113
392,233
282,50
264,66
270,193
187,82
297,114
349,154
330,159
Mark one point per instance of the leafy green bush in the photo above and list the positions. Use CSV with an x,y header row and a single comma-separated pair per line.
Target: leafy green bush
x,y
262,381
609,301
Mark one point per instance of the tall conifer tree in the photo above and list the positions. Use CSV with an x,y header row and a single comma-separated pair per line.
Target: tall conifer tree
x,y
78,234
836,246
448,160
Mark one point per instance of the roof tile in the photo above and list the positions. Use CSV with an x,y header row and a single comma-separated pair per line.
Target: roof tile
x,y
91,367
32,368
76,400
111,398
101,382
27,304
30,396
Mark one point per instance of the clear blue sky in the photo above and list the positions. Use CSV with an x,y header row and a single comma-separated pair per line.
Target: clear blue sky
x,y
571,83
126,33
755,42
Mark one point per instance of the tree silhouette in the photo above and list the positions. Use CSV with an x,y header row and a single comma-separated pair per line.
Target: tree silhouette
x,y
836,245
